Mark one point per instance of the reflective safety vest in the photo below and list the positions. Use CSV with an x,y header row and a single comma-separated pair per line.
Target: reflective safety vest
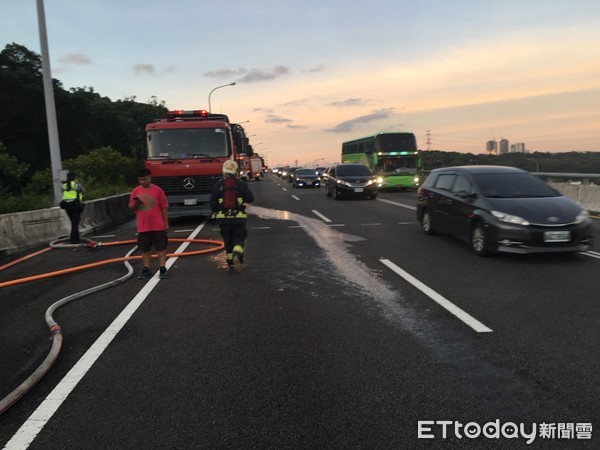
x,y
71,194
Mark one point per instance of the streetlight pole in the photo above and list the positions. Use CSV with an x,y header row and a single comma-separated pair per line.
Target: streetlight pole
x,y
314,161
55,158
266,157
218,87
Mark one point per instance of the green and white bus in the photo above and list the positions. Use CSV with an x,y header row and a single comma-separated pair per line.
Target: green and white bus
x,y
392,157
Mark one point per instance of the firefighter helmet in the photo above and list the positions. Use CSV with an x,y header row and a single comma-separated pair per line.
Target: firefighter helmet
x,y
230,167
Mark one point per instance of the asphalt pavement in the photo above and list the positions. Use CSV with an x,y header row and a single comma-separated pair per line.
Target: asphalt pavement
x,y
316,345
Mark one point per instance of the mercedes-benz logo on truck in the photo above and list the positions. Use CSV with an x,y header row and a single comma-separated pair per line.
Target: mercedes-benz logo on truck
x,y
189,183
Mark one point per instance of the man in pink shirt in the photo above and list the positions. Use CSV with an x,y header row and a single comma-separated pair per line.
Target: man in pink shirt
x,y
150,205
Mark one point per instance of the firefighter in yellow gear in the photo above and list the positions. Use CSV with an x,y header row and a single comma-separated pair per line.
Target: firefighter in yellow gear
x,y
228,199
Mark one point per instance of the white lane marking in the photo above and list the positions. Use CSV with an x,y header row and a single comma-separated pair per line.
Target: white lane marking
x,y
406,223
293,196
336,224
439,299
284,189
414,208
317,213
34,424
182,231
260,228
592,254
370,224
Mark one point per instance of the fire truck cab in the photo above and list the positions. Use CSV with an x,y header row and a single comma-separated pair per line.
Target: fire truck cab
x,y
185,153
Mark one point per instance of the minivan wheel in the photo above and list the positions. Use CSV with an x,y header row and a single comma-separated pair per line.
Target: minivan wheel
x,y
336,194
479,241
426,224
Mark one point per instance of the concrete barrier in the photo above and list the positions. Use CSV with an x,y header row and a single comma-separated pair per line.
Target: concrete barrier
x,y
22,230
587,195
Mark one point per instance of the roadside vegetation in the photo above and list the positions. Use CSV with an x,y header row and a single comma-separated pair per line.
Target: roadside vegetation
x,y
102,140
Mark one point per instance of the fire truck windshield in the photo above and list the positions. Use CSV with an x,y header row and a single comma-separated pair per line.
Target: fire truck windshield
x,y
187,143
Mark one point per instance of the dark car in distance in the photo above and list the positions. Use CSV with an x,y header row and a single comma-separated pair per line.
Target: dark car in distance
x,y
501,209
288,173
349,179
306,178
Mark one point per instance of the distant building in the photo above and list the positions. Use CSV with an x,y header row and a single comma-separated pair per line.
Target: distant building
x,y
503,148
491,147
519,147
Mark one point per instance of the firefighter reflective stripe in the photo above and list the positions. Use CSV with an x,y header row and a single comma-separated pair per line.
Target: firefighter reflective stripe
x,y
238,213
238,249
72,194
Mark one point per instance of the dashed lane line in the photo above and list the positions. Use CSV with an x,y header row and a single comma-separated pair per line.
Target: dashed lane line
x,y
403,205
321,216
439,299
592,254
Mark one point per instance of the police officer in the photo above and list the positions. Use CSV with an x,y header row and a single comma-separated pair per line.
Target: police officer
x,y
72,195
228,198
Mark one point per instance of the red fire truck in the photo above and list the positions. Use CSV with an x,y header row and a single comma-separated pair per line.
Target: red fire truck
x,y
256,167
185,153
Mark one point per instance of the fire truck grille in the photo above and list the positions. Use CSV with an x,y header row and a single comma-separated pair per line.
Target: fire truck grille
x,y
193,184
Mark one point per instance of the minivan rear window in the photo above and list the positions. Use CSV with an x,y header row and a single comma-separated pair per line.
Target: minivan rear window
x,y
344,171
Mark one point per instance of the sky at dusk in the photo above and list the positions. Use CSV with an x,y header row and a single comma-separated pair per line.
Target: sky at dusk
x,y
312,74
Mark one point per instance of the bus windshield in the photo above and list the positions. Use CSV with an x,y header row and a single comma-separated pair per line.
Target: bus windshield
x,y
399,164
396,142
187,143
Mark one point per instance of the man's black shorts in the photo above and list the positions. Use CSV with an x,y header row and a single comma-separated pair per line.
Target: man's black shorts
x,y
147,239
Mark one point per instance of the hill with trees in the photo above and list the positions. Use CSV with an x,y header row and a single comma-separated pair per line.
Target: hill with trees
x,y
564,162
100,139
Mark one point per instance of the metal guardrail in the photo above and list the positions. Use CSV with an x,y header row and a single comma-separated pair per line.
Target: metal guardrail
x,y
575,178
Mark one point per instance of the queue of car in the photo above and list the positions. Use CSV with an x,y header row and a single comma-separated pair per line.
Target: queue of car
x,y
492,208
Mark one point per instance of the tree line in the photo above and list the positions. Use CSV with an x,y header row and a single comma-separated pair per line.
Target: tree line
x,y
564,162
102,140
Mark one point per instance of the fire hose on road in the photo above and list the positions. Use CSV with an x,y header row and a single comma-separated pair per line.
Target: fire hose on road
x,y
55,329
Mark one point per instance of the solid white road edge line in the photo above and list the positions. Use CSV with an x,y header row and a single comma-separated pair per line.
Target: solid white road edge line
x,y
34,424
440,300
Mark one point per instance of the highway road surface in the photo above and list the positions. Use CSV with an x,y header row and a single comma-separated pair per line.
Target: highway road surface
x,y
349,328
